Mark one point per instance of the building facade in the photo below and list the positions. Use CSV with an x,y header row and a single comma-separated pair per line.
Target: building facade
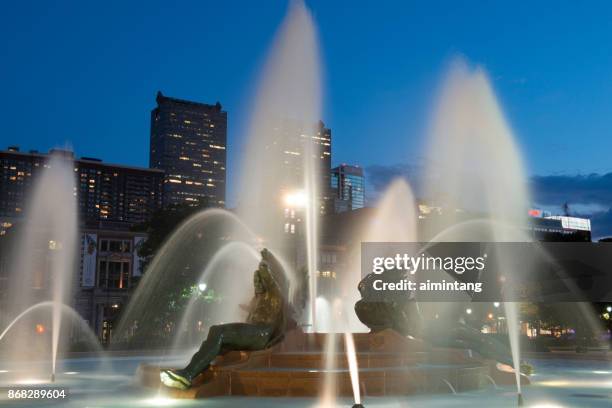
x,y
107,194
544,226
111,199
109,269
188,142
348,187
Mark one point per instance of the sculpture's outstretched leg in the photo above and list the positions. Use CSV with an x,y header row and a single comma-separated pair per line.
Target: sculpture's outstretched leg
x,y
221,338
462,336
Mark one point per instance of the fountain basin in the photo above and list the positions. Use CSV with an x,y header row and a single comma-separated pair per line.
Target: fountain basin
x,y
389,364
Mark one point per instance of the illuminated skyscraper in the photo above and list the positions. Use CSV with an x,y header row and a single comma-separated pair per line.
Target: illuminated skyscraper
x,y
348,186
188,142
294,141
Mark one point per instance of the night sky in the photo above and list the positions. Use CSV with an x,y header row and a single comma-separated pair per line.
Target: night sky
x,y
85,74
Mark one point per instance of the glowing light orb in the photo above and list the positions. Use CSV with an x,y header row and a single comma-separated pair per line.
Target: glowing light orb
x,y
160,402
296,199
31,381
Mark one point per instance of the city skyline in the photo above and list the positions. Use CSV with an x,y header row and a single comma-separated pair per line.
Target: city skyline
x,y
558,115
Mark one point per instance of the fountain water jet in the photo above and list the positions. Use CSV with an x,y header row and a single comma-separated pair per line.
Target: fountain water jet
x,y
352,363
394,220
312,211
49,229
328,394
396,215
75,319
326,313
511,309
200,236
229,271
48,304
290,275
478,165
281,155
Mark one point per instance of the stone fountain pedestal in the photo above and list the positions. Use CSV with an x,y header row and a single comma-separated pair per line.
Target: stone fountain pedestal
x,y
389,364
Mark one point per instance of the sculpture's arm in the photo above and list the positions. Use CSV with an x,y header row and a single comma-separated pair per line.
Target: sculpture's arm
x,y
268,280
276,269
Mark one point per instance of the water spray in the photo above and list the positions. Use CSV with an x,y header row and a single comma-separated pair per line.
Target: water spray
x,y
351,356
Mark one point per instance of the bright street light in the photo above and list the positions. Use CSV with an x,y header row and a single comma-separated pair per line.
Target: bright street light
x,y
496,304
296,199
609,309
468,311
202,286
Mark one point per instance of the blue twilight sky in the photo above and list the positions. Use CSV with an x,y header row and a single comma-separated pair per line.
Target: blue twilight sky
x,y
85,74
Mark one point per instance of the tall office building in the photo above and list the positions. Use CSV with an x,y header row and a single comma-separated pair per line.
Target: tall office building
x,y
322,143
348,186
109,195
188,142
297,149
292,142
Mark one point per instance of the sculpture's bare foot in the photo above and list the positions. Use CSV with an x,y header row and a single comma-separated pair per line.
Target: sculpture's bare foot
x,y
174,379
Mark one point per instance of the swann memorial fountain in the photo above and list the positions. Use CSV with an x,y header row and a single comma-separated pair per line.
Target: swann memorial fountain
x,y
275,336
325,349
